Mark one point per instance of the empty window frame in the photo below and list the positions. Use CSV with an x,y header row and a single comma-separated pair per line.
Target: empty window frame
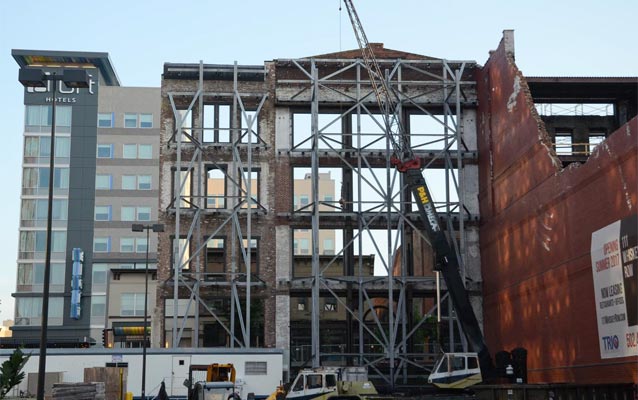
x,y
215,258
595,138
563,143
249,127
216,123
215,187
183,248
254,188
184,120
185,184
254,256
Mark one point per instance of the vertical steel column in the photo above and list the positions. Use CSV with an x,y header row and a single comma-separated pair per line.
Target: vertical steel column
x,y
177,260
200,204
359,220
390,347
316,275
249,213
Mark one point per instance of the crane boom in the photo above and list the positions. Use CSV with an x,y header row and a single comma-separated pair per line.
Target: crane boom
x,y
404,161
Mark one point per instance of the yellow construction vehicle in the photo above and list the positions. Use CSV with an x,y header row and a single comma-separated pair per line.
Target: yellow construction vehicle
x,y
213,382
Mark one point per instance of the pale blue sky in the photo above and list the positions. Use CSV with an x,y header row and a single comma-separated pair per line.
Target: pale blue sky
x,y
561,38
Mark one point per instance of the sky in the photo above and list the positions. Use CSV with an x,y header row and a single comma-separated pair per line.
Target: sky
x,y
552,38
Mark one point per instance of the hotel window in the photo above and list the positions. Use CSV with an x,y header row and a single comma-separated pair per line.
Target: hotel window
x,y
39,178
102,244
127,214
35,241
146,120
132,304
37,209
145,151
31,277
129,151
303,200
141,245
29,311
328,246
102,213
143,213
40,146
103,182
104,151
38,119
99,277
144,182
129,182
98,306
304,247
105,120
215,188
130,120
216,123
127,245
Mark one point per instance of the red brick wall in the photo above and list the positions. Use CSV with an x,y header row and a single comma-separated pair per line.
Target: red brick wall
x,y
537,221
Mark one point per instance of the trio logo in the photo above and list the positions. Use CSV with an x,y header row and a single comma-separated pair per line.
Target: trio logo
x,y
610,343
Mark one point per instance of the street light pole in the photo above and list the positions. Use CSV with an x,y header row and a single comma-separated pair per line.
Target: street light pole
x,y
31,77
147,228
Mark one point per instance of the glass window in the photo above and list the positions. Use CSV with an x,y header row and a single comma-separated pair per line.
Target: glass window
x,y
104,151
143,213
144,182
127,214
103,182
303,200
303,246
105,120
132,304
146,120
140,245
101,244
129,151
98,305
313,381
102,213
129,182
145,151
127,245
328,246
98,275
130,120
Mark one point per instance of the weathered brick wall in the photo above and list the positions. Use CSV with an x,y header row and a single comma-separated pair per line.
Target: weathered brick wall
x,y
537,221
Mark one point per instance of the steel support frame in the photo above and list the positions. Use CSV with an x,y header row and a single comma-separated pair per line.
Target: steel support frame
x,y
237,216
438,75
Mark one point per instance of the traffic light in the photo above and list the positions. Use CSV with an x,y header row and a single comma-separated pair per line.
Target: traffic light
x,y
105,338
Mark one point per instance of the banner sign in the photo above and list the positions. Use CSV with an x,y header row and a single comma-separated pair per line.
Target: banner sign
x,y
614,259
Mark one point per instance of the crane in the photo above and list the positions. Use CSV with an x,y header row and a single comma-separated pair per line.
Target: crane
x,y
404,161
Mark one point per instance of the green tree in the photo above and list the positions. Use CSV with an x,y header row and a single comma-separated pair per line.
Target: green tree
x,y
11,373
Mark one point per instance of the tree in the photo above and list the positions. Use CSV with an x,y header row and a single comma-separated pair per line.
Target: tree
x,y
11,373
